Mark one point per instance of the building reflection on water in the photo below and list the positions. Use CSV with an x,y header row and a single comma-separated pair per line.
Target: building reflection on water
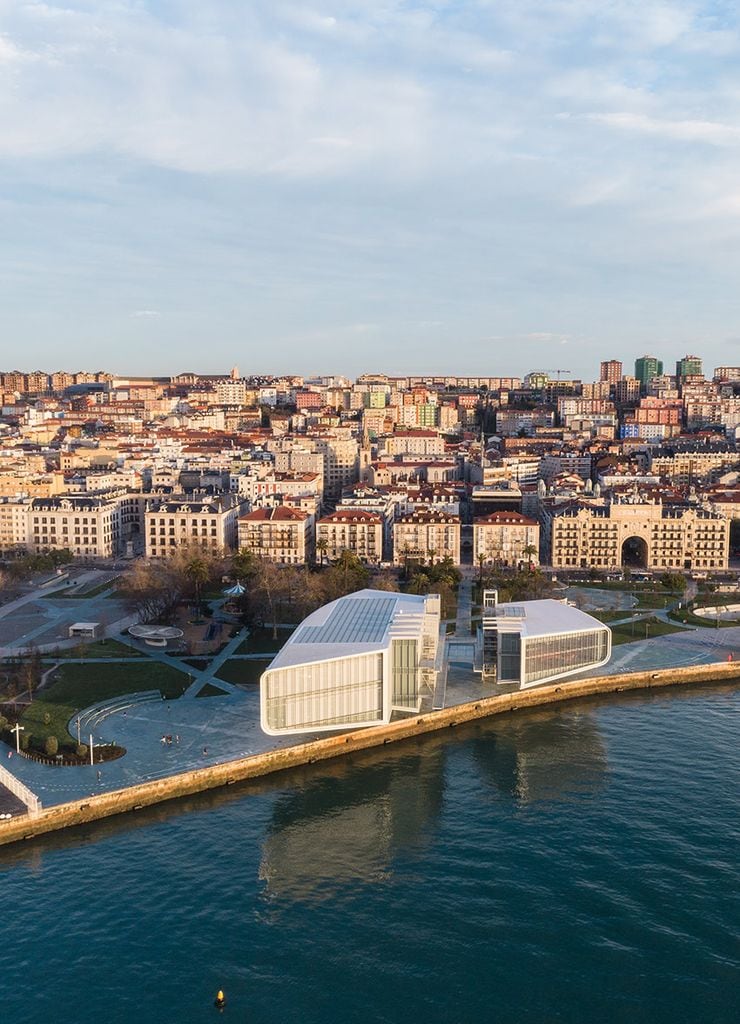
x,y
347,825
545,755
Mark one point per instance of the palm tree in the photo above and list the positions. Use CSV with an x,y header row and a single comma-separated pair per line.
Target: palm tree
x,y
197,572
529,551
322,545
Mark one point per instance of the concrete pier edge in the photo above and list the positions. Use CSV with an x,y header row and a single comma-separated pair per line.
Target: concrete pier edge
x,y
145,794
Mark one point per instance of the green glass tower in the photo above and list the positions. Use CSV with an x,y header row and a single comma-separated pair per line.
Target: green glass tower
x,y
647,367
689,366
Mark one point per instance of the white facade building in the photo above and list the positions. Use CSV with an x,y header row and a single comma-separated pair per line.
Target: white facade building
x,y
352,663
536,642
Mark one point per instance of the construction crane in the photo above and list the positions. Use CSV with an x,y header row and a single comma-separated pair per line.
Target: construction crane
x,y
558,371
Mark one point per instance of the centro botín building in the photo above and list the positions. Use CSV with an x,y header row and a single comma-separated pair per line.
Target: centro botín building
x,y
352,663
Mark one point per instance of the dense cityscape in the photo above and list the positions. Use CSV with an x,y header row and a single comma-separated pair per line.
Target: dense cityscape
x,y
631,470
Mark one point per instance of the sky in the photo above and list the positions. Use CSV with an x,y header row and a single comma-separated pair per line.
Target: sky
x,y
342,186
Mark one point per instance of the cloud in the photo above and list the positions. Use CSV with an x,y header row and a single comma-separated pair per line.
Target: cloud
x,y
300,168
713,133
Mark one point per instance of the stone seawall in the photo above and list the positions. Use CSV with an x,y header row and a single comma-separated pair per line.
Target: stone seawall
x,y
134,798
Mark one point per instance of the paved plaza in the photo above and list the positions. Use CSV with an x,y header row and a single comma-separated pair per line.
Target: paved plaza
x,y
42,617
204,731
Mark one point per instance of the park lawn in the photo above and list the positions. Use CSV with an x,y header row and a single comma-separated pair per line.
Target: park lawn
x,y
611,615
79,594
240,671
261,641
100,649
209,690
655,627
656,598
78,686
690,619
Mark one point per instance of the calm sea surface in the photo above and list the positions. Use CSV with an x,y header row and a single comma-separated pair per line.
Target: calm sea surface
x,y
574,865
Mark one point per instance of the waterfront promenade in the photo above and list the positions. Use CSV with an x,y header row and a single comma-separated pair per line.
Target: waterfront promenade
x,y
90,808
217,729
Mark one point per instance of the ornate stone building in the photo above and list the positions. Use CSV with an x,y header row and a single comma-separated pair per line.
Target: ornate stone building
x,y
640,534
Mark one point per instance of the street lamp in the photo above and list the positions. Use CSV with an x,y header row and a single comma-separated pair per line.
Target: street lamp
x,y
18,729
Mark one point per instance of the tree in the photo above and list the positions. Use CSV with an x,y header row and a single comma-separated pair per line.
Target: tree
x,y
322,545
243,564
385,580
198,573
266,589
30,670
51,746
529,551
346,575
673,581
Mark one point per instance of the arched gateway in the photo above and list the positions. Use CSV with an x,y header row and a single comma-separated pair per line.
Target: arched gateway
x,y
635,553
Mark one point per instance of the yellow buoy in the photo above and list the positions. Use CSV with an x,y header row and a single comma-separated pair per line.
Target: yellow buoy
x,y
220,1001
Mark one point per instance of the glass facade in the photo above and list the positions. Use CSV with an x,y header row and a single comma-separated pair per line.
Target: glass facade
x,y
510,657
339,692
405,674
565,652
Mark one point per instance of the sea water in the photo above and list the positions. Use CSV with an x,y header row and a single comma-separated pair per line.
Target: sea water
x,y
577,864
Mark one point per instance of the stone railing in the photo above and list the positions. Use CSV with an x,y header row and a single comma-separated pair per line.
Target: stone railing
x,y
17,788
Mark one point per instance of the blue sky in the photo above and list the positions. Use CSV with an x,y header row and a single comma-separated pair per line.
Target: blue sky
x,y
472,186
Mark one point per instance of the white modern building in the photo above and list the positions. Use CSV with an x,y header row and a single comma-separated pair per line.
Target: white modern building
x,y
536,642
352,663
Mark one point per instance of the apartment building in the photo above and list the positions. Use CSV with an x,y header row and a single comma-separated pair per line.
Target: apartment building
x,y
640,534
280,534
354,530
426,533
13,528
208,523
88,526
506,539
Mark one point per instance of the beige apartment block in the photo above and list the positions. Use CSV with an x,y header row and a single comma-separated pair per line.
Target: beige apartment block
x,y
13,528
640,535
90,527
208,523
280,534
426,534
506,539
342,463
352,530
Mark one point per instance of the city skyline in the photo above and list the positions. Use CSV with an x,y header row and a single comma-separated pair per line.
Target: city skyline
x,y
350,186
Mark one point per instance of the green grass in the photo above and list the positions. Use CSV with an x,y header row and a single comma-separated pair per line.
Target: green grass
x,y
714,599
656,598
100,649
209,690
80,593
608,585
79,686
655,627
260,641
611,615
201,664
240,671
695,620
